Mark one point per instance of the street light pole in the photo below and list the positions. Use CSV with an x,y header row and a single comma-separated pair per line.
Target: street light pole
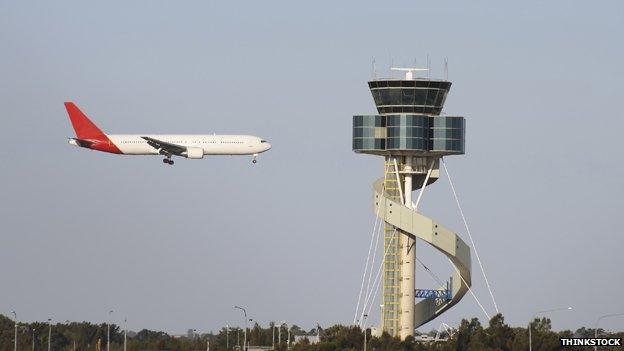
x,y
540,312
125,332
227,336
273,335
598,321
33,340
15,340
245,333
49,333
107,331
364,323
251,320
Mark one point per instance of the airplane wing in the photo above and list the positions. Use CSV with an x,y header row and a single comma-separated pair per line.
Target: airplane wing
x,y
165,147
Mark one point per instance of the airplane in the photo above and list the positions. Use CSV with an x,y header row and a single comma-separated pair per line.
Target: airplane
x,y
89,136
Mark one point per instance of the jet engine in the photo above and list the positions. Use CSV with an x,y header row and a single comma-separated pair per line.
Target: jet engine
x,y
194,152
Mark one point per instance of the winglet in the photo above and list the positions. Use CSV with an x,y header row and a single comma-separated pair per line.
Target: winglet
x,y
84,128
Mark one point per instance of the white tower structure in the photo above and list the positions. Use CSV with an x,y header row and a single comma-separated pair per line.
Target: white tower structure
x,y
412,136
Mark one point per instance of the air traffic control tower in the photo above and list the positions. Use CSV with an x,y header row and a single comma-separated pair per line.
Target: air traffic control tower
x,y
412,136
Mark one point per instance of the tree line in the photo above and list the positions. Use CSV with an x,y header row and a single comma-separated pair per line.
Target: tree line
x,y
470,335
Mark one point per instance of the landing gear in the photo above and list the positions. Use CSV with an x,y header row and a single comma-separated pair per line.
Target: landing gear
x,y
255,159
168,160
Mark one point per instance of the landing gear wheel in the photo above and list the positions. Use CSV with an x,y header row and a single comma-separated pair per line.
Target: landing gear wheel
x,y
254,161
171,162
165,160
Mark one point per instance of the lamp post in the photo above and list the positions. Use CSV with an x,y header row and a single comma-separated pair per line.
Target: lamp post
x,y
195,336
107,331
49,333
125,332
245,333
598,321
15,340
227,336
364,323
33,340
251,320
541,312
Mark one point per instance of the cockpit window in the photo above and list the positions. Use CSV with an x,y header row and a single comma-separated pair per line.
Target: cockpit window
x,y
263,141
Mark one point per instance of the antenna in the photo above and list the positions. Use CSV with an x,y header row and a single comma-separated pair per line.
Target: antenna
x,y
374,69
428,66
409,71
446,68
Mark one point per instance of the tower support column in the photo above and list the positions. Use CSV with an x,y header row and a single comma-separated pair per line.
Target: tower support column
x,y
408,258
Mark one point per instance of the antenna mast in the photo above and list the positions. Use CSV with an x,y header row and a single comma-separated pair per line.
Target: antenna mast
x,y
374,69
428,67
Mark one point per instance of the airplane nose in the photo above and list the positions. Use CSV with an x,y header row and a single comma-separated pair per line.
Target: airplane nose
x,y
267,146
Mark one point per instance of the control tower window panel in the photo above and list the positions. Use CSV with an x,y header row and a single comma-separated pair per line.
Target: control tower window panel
x,y
383,134
397,96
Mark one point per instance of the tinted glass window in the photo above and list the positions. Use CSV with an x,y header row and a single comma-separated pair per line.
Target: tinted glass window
x,y
421,96
440,98
395,97
431,96
408,96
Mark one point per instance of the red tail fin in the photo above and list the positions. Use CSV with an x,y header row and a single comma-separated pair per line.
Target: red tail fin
x,y
84,128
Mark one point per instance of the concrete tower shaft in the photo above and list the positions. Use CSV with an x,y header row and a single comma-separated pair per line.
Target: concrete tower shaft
x,y
408,259
412,136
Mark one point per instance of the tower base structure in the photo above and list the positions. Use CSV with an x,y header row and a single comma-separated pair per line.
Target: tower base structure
x,y
412,143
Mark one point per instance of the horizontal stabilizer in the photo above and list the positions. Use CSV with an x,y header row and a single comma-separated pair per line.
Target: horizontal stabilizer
x,y
80,142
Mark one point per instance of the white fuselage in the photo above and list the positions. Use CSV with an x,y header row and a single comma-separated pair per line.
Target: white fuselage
x,y
211,144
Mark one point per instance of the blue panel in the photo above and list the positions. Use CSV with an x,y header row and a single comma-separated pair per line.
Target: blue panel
x,y
433,294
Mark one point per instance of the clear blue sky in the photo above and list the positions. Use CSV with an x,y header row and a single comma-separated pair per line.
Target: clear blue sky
x,y
173,248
